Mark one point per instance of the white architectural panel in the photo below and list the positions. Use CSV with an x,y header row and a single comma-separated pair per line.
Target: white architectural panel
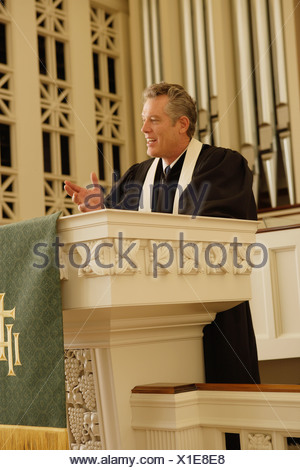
x,y
275,303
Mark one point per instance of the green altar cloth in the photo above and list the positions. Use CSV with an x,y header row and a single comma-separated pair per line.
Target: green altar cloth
x,y
32,390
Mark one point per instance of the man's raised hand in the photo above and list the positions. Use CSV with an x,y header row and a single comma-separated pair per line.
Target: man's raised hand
x,y
87,199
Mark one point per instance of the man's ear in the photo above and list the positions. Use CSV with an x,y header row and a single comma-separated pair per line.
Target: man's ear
x,y
184,124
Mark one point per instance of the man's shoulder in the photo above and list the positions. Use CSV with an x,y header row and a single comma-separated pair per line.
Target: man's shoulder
x,y
212,154
220,151
144,163
138,170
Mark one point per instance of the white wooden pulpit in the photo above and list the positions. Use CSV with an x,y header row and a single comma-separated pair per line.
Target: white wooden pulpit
x,y
137,291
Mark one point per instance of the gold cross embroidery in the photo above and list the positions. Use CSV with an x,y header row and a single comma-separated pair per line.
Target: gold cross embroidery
x,y
8,343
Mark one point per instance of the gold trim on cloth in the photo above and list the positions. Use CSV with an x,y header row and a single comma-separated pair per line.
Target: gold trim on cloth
x,y
33,438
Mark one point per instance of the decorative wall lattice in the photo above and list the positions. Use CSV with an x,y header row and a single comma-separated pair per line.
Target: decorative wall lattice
x,y
105,39
8,168
55,99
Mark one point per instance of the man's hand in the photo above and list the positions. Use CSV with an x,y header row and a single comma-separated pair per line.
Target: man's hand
x,y
87,199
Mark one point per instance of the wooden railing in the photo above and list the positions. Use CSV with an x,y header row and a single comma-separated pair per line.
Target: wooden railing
x,y
216,416
161,388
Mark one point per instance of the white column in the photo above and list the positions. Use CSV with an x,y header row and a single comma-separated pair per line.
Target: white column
x,y
186,12
28,133
245,80
128,158
138,76
82,78
227,90
290,17
171,53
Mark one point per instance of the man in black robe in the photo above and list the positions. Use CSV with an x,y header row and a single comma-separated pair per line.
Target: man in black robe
x,y
214,182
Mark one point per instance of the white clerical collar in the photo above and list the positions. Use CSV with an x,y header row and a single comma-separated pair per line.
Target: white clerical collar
x,y
193,150
164,164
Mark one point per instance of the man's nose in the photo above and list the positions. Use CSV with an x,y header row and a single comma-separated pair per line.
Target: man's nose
x,y
145,126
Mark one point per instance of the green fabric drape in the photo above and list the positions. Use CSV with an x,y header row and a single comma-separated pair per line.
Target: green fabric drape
x,y
32,389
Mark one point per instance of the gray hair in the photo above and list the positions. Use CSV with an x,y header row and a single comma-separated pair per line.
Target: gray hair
x,y
180,102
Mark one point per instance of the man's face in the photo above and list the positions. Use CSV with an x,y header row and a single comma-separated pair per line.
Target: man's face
x,y
162,136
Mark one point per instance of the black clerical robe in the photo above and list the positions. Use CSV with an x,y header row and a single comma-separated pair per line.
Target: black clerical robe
x,y
221,186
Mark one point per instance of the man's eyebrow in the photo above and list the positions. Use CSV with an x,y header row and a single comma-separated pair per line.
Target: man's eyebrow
x,y
150,116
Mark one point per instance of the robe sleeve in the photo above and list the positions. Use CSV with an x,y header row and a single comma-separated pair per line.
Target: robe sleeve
x,y
125,192
223,181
